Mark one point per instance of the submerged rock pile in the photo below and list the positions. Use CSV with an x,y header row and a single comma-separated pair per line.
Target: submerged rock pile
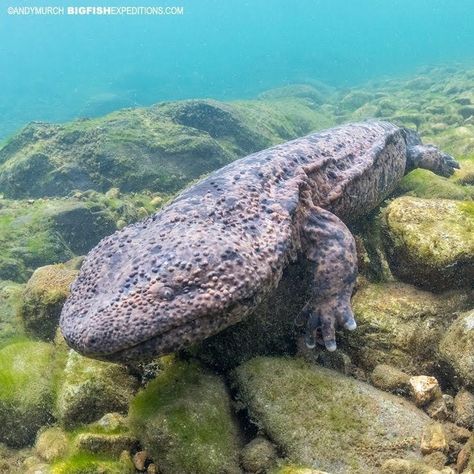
x,y
398,395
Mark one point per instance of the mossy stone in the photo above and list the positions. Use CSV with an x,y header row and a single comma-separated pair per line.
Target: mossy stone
x,y
457,346
425,184
41,232
44,296
85,463
10,301
27,389
292,469
429,242
184,420
160,148
111,444
258,456
407,466
400,325
322,419
52,444
91,388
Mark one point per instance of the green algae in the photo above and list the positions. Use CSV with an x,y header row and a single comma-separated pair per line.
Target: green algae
x,y
91,388
183,419
11,329
401,325
40,232
322,419
44,297
28,373
160,148
86,463
429,241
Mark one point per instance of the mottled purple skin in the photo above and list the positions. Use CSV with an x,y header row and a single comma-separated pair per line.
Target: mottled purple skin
x,y
207,259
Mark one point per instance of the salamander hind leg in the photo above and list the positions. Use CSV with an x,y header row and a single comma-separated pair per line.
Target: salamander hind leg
x,y
329,244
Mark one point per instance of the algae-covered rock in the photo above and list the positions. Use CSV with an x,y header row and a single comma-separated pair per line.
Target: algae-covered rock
x,y
390,379
26,390
457,348
91,388
40,232
258,456
425,184
44,296
12,460
183,419
111,444
406,466
160,148
85,463
322,419
400,325
52,444
292,469
430,241
10,301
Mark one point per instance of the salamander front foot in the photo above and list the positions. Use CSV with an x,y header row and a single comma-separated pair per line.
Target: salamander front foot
x,y
321,323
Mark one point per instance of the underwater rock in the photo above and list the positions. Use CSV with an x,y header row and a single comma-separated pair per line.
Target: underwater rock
x,y
27,371
424,389
91,388
459,341
429,242
292,469
44,296
160,148
10,301
183,419
111,444
355,99
317,95
47,231
458,140
12,460
424,184
51,444
404,466
436,459
258,456
223,122
400,325
388,378
433,439
320,418
464,409
438,409
82,463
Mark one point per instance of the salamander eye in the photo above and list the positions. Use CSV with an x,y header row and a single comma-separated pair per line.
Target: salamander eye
x,y
167,293
162,291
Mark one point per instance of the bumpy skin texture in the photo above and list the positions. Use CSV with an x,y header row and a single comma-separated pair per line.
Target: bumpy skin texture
x,y
206,260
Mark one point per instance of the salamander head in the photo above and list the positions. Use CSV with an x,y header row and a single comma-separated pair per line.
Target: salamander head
x,y
152,288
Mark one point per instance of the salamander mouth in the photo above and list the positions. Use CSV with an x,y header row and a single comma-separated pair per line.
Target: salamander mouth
x,y
171,340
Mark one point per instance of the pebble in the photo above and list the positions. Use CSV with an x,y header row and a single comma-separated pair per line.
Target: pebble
x,y
424,389
139,460
390,379
434,439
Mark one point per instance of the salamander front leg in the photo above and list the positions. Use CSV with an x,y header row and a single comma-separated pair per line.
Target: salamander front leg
x,y
329,244
431,158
